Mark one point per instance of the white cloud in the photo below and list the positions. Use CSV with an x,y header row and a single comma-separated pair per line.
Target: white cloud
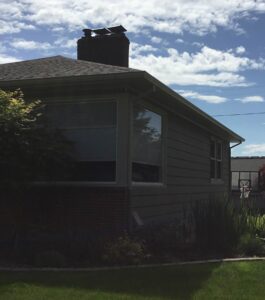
x,y
251,99
14,26
180,41
138,49
156,39
199,17
240,50
33,45
30,45
207,98
207,67
4,59
66,43
254,149
197,44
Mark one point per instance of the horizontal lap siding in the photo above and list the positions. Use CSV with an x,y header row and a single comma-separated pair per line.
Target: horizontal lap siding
x,y
187,174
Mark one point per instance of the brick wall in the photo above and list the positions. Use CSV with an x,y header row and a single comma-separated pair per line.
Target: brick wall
x,y
65,214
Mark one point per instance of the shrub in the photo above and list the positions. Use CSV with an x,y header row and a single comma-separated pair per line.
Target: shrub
x,y
124,251
251,245
218,226
159,238
51,258
222,228
257,225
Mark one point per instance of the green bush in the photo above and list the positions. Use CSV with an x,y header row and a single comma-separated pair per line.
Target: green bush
x,y
160,239
219,226
257,224
222,228
251,245
51,258
124,251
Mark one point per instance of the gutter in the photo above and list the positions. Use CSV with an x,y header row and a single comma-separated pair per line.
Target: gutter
x,y
240,142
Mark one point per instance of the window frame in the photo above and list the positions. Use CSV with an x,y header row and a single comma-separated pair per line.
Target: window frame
x,y
216,160
150,107
85,100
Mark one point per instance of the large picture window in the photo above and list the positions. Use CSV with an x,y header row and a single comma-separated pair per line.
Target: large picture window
x,y
216,159
147,145
92,129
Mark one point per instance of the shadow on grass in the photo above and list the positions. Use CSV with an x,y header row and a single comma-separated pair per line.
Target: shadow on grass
x,y
180,282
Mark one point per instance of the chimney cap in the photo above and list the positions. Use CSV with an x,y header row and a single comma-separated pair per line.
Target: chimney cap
x,y
87,32
117,29
101,31
105,31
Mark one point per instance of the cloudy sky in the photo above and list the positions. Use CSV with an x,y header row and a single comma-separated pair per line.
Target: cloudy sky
x,y
210,51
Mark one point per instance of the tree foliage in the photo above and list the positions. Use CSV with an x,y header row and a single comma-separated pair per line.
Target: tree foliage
x,y
28,149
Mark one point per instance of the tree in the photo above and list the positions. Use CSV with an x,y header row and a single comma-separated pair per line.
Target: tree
x,y
29,150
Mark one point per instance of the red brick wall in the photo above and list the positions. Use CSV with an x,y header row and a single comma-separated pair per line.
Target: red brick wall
x,y
68,212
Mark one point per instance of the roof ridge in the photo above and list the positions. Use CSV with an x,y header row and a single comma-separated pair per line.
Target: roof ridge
x,y
95,63
35,59
70,59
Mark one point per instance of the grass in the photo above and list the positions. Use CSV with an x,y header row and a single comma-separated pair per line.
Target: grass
x,y
231,280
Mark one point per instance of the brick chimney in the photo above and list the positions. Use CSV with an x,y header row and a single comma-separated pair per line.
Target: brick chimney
x,y
107,46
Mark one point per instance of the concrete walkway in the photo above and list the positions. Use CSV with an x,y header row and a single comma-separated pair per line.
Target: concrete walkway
x,y
28,269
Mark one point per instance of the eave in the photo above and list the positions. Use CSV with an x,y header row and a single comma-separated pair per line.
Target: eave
x,y
138,80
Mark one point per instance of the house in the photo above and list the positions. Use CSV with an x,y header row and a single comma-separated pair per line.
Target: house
x,y
247,169
142,150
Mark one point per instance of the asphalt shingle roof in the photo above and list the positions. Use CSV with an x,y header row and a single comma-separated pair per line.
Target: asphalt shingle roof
x,y
56,66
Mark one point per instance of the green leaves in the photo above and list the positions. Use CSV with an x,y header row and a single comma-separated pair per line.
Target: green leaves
x,y
28,150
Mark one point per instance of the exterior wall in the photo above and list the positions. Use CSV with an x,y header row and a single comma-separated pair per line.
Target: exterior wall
x,y
64,214
247,163
187,173
75,210
186,162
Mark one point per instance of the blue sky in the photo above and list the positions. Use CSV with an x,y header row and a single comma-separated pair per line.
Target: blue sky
x,y
211,52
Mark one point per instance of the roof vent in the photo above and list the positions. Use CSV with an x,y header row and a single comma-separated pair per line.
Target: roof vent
x,y
105,45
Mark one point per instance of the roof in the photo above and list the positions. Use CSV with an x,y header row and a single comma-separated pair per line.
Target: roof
x,y
56,66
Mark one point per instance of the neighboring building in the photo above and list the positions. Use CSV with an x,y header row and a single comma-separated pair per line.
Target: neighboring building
x,y
142,150
247,169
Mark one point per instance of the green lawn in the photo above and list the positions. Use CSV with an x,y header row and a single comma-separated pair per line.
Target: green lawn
x,y
237,280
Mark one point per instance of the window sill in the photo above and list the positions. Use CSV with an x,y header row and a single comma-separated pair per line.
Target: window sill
x,y
73,183
151,184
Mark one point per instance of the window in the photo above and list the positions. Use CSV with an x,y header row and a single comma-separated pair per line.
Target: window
x,y
147,145
92,128
216,159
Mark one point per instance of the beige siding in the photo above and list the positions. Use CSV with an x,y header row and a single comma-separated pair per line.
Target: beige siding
x,y
187,173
